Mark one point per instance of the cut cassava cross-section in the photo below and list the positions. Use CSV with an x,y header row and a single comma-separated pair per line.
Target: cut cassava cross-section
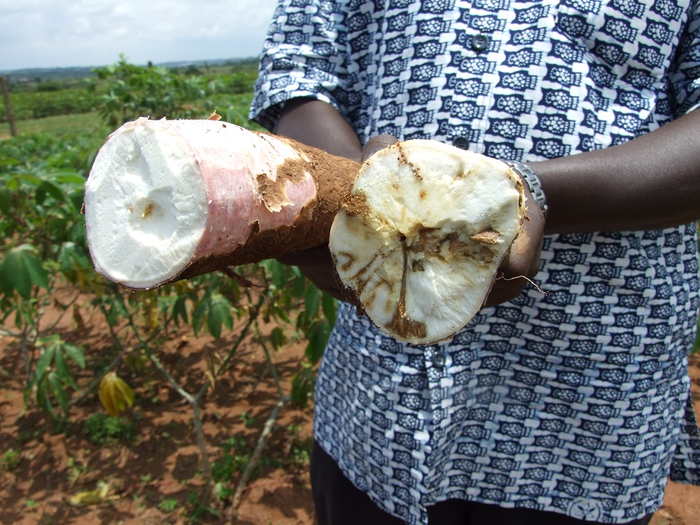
x,y
168,200
421,235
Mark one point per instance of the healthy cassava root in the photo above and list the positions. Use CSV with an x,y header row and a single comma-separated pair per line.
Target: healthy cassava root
x,y
168,200
416,236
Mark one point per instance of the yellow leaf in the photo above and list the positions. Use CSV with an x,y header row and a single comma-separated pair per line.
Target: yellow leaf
x,y
115,395
90,497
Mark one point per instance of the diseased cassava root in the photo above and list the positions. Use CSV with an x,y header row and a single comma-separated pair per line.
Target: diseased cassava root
x,y
419,239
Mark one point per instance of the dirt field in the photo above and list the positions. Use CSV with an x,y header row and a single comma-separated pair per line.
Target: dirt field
x,y
154,476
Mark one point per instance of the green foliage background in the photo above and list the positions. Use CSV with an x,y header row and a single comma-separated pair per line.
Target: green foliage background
x,y
44,246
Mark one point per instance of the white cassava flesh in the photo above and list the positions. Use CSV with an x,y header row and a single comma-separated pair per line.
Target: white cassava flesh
x,y
421,235
167,200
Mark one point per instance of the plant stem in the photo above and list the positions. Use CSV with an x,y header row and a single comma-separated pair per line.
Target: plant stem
x,y
262,441
193,402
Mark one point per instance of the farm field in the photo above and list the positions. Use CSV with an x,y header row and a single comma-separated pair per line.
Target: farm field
x,y
58,124
151,477
218,425
149,460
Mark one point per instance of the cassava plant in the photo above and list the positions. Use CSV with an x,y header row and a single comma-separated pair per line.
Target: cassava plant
x,y
127,91
44,248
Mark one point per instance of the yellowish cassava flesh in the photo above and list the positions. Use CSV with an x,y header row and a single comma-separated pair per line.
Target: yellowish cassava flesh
x,y
421,235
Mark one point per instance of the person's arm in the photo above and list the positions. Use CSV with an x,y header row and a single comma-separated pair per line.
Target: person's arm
x,y
651,182
320,125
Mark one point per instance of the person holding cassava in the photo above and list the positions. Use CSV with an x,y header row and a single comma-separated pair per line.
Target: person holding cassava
x,y
565,401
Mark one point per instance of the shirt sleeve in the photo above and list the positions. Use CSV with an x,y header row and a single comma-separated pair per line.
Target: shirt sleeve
x,y
685,76
304,55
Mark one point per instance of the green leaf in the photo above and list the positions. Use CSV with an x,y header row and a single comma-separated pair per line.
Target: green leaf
x,y
329,304
281,313
300,284
30,178
117,309
277,338
62,369
5,200
77,198
302,388
72,257
37,274
219,314
20,270
14,276
42,398
75,353
198,316
59,391
69,177
43,363
180,311
318,338
279,274
312,300
48,188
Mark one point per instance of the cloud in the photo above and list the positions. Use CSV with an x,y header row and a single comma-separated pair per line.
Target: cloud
x,y
45,33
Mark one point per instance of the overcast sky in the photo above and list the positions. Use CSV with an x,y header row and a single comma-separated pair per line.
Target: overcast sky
x,y
65,33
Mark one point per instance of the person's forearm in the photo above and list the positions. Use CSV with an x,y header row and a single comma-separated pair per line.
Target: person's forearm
x,y
650,182
320,125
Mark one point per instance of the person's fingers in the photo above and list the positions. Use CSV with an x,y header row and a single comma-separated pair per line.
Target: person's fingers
x,y
522,262
377,143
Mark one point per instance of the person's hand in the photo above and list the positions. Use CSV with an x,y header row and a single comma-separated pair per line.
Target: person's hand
x,y
317,263
522,262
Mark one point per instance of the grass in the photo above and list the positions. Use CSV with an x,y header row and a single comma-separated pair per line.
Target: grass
x,y
58,125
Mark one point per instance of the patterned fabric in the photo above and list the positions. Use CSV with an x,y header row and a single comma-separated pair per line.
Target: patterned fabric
x,y
575,402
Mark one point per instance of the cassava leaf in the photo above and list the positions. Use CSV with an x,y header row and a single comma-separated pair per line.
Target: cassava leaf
x,y
329,304
279,274
219,315
75,354
277,338
318,338
312,300
59,392
43,363
5,200
115,395
180,310
62,370
20,270
42,398
48,188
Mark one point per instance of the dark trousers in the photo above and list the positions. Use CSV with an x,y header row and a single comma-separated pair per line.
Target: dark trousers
x,y
339,502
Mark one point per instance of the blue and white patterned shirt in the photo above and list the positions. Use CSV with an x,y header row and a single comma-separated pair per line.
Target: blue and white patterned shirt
x,y
576,402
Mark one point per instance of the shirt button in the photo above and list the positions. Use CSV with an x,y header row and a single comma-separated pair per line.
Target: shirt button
x,y
461,142
480,42
439,359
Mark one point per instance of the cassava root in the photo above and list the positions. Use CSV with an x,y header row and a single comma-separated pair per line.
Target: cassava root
x,y
416,233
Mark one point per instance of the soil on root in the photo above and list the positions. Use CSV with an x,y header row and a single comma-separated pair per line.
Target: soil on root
x,y
153,474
